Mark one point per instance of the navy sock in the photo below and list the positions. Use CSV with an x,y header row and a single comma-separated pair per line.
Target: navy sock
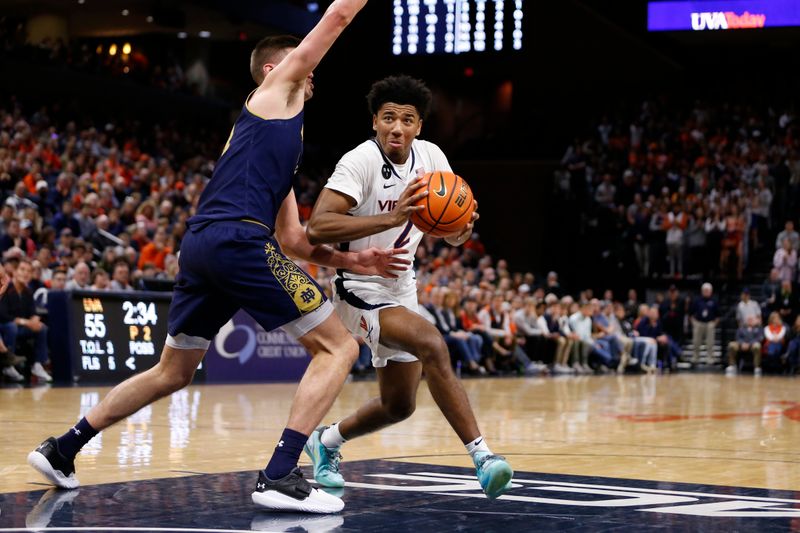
x,y
71,442
286,454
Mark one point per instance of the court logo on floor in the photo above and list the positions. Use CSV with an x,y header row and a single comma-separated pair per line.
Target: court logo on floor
x,y
529,494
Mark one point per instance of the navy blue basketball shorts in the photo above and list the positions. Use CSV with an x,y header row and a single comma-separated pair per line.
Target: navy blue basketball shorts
x,y
231,265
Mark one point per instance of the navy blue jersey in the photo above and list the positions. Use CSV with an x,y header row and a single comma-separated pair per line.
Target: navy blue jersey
x,y
254,173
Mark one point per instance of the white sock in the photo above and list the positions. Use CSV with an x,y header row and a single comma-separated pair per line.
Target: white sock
x,y
478,445
331,438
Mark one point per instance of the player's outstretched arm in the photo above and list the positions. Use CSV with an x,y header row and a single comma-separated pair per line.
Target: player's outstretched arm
x,y
304,59
292,237
330,223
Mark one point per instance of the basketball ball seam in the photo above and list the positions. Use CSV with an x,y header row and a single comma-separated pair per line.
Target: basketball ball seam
x,y
447,203
418,221
462,214
427,203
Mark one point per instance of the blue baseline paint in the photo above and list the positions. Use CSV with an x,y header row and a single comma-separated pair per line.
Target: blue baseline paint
x,y
409,497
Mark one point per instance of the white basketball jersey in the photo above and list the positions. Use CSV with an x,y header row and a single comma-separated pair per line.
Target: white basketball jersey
x,y
367,176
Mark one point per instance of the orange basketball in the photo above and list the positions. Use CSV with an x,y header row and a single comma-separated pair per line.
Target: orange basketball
x,y
448,206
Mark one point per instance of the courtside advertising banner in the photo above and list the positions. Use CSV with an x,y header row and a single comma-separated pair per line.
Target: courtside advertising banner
x,y
243,352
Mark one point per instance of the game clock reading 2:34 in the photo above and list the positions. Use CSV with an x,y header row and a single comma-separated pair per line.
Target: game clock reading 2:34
x,y
117,334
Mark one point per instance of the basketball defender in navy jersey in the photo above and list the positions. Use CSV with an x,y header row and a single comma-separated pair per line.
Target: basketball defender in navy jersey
x,y
232,257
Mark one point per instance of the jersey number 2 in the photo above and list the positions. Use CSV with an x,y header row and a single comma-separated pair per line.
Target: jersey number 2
x,y
403,239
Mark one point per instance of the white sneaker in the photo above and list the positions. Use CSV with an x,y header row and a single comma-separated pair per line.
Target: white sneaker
x,y
38,370
293,493
534,368
48,460
730,370
757,371
11,373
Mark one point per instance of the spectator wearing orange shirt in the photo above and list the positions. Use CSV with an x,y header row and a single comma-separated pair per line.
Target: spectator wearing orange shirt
x,y
32,177
475,244
155,251
304,207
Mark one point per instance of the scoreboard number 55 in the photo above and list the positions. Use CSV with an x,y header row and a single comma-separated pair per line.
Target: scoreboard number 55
x,y
94,325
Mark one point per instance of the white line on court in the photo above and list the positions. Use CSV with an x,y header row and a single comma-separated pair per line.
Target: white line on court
x,y
159,529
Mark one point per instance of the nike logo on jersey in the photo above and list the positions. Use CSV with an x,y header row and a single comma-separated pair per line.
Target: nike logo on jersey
x,y
388,185
442,187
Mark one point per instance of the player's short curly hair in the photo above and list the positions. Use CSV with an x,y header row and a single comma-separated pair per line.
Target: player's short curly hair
x,y
402,90
266,51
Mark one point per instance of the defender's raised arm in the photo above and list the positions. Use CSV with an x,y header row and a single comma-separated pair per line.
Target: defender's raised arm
x,y
301,61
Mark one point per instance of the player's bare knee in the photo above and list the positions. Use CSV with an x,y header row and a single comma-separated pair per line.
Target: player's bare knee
x,y
344,349
432,350
174,379
349,350
399,410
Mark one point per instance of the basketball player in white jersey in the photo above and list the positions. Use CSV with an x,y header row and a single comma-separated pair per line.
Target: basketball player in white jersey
x,y
367,203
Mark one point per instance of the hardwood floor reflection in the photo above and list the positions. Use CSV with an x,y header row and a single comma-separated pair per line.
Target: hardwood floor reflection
x,y
697,428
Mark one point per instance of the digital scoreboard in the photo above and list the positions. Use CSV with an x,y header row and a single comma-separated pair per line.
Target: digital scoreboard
x,y
456,26
115,335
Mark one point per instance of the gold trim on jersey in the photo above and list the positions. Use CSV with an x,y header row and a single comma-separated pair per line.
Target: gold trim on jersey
x,y
228,143
305,294
256,222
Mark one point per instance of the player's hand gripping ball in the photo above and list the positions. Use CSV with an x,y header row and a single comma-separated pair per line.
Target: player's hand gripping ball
x,y
448,206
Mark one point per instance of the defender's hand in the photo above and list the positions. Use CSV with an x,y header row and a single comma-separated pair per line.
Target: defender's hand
x,y
377,262
405,204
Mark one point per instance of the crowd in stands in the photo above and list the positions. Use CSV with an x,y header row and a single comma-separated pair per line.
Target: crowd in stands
x,y
93,208
693,190
775,344
496,321
105,209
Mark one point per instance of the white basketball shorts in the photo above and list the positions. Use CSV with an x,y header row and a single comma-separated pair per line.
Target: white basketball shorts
x,y
359,303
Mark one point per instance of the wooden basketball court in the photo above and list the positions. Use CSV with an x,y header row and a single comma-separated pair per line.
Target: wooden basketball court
x,y
699,429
